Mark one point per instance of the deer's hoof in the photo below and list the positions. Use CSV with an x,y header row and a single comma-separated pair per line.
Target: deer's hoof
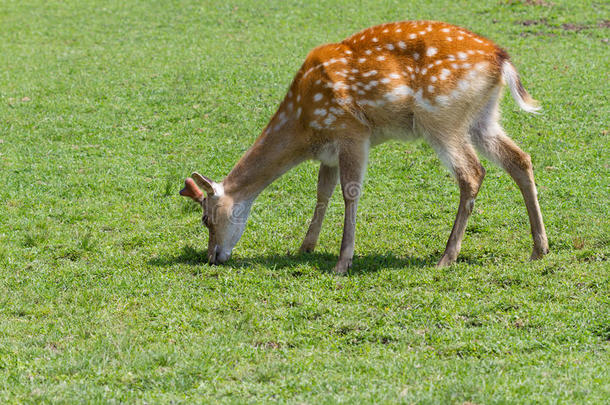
x,y
342,266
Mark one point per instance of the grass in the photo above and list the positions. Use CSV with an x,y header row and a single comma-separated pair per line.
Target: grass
x,y
104,293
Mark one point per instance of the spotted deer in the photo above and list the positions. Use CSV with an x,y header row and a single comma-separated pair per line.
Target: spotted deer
x,y
400,80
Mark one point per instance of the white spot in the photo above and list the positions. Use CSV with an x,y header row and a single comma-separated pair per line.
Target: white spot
x,y
348,52
412,77
351,78
462,55
318,81
429,28
394,75
317,97
398,93
385,31
298,98
368,52
460,38
445,73
390,47
362,37
370,73
478,40
463,84
438,62
431,51
422,102
354,70
402,45
416,56
424,71
454,65
433,79
398,30
445,30
374,39
409,68
480,66
378,48
315,124
412,36
340,85
289,105
299,111
449,39
416,69
385,80
361,60
330,119
422,32
443,100
450,57
466,65
470,52
371,84
360,84
320,111
480,52
430,66
361,92
430,89
380,58
336,111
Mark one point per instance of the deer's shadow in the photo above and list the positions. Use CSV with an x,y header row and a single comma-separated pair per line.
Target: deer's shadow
x,y
325,262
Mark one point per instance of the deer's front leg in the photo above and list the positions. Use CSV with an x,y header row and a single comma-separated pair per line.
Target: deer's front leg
x,y
327,181
352,164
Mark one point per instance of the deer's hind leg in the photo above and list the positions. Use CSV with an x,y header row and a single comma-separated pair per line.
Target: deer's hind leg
x,y
491,140
462,160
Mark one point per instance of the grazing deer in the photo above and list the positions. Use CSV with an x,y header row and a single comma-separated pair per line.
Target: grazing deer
x,y
394,81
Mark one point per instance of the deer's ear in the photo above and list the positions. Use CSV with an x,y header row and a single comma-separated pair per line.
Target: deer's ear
x,y
210,186
191,190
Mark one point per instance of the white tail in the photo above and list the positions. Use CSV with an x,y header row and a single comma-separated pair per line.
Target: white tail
x,y
521,96
399,80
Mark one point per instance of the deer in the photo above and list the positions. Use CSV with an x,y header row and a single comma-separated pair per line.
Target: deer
x,y
403,80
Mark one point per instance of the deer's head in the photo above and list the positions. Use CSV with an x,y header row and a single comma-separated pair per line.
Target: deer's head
x,y
224,218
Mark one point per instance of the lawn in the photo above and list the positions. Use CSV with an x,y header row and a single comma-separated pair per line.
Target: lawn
x,y
105,294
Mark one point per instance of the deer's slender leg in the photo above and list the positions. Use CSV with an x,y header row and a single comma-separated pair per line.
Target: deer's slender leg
x,y
327,181
469,174
353,156
518,164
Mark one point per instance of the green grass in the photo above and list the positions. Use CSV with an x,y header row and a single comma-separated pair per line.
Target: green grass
x,y
105,107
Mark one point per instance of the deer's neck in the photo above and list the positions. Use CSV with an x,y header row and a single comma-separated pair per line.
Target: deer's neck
x,y
271,155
